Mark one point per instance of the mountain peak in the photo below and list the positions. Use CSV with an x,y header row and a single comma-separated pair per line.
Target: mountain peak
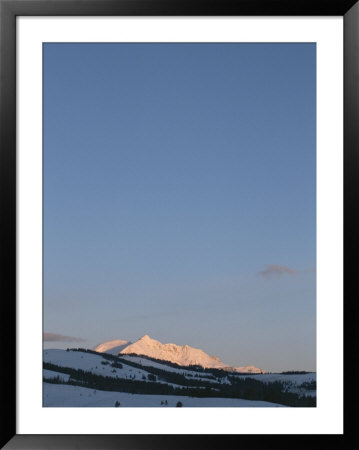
x,y
146,337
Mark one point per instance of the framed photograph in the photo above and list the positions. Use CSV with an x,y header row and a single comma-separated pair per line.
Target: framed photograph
x,y
173,187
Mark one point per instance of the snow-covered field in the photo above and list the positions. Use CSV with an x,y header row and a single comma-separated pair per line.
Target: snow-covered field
x,y
60,395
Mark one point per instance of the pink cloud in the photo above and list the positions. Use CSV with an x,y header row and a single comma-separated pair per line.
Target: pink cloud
x,y
274,270
53,337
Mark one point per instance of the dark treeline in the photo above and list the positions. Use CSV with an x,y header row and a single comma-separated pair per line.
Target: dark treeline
x,y
309,385
295,372
274,392
241,388
168,363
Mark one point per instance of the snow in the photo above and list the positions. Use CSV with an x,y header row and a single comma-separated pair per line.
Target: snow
x,y
60,395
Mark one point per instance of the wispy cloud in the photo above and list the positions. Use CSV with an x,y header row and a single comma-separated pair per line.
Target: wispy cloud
x,y
274,270
53,337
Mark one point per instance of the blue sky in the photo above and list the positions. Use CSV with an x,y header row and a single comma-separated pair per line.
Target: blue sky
x,y
179,197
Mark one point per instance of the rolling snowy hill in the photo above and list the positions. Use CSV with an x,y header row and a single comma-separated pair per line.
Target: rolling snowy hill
x,y
73,376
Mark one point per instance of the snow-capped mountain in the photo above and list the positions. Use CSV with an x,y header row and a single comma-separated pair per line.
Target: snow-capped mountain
x,y
113,347
248,369
181,355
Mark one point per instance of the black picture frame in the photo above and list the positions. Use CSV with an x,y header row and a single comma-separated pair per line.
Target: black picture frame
x,y
9,10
